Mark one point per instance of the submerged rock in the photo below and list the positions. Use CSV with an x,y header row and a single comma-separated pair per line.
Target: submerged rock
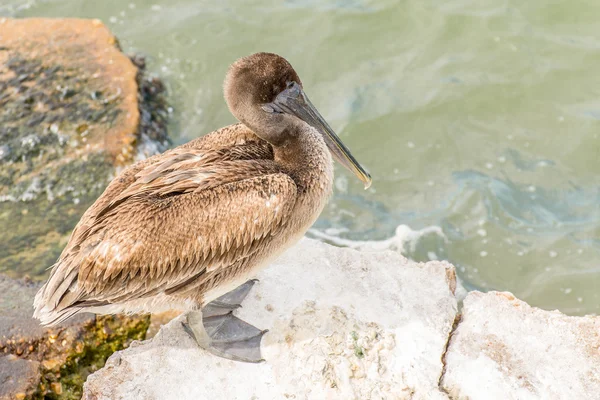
x,y
342,325
505,349
72,107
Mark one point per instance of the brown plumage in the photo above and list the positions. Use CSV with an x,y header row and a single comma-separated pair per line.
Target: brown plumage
x,y
181,228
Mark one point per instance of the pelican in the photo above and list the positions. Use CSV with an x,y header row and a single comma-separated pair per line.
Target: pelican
x,y
188,229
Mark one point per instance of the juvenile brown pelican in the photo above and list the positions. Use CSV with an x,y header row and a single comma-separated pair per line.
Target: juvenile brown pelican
x,y
183,228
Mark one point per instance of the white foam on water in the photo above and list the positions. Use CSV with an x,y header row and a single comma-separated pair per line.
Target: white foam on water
x,y
404,240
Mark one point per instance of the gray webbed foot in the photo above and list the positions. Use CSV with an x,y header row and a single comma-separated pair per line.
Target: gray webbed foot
x,y
229,301
233,338
217,330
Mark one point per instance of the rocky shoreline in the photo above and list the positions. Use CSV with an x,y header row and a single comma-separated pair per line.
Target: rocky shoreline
x,y
343,323
73,109
346,324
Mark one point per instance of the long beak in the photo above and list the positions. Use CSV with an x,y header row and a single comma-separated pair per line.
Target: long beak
x,y
294,101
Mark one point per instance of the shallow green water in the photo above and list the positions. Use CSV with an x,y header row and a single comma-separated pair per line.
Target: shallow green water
x,y
479,117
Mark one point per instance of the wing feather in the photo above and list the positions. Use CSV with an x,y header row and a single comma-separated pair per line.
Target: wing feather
x,y
200,234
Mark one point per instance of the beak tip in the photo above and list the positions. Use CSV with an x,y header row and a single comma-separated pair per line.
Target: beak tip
x,y
368,182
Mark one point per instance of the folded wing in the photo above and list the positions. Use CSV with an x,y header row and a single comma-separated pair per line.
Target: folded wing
x,y
175,221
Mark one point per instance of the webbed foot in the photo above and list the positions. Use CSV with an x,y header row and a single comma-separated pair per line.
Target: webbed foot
x,y
217,330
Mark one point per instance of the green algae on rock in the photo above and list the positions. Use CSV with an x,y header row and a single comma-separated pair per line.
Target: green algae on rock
x,y
72,107
38,362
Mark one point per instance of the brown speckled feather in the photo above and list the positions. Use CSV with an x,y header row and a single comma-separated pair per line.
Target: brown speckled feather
x,y
196,209
226,137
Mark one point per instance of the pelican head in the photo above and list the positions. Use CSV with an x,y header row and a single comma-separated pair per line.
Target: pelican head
x,y
265,93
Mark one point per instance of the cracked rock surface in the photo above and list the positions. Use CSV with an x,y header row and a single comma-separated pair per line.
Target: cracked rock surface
x,y
505,349
342,325
345,324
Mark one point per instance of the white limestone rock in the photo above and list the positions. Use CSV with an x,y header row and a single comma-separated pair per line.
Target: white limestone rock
x,y
342,325
505,349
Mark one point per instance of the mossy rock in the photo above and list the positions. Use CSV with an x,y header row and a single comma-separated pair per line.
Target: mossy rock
x,y
54,362
73,107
